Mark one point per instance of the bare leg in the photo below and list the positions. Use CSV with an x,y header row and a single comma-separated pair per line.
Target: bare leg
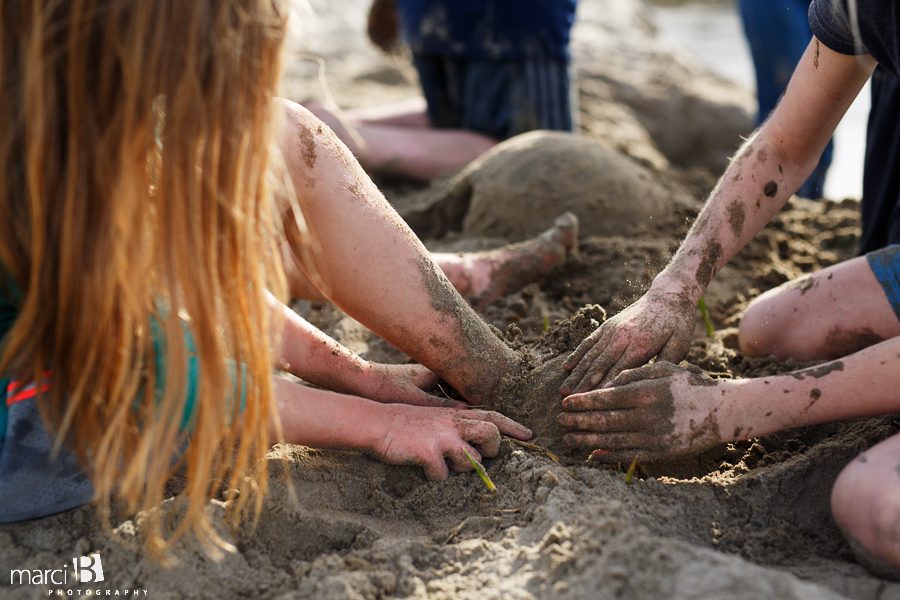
x,y
383,146
480,277
829,314
483,277
405,113
378,272
866,504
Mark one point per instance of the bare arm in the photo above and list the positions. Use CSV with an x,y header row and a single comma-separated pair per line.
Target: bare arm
x,y
377,271
396,433
308,353
661,411
763,176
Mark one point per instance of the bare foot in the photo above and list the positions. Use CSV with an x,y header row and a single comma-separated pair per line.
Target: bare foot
x,y
483,277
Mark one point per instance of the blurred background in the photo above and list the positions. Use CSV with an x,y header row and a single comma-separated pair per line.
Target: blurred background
x,y
712,31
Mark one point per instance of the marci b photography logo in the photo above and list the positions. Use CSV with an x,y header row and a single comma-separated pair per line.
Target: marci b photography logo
x,y
87,570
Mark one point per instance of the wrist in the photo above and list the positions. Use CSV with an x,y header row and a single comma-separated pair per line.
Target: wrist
x,y
672,282
751,409
363,377
378,429
365,425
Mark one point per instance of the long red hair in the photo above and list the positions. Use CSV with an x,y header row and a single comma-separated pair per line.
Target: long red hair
x,y
135,194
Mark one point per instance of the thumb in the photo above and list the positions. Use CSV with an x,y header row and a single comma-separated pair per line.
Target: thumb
x,y
657,370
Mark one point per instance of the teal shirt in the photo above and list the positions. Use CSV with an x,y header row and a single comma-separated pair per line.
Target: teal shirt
x,y
33,481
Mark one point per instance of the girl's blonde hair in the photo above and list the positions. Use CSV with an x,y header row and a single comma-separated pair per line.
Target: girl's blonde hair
x,y
136,206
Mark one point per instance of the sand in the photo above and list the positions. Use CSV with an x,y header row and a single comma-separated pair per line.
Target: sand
x,y
742,521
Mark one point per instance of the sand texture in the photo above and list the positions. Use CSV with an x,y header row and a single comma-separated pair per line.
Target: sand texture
x,y
743,521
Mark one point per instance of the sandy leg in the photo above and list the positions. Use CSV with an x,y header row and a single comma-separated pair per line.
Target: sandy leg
x,y
828,314
482,277
866,504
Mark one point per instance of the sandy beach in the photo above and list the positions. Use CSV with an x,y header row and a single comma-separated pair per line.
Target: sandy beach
x,y
749,520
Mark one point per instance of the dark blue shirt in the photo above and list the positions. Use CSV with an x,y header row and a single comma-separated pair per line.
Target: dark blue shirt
x,y
874,29
488,29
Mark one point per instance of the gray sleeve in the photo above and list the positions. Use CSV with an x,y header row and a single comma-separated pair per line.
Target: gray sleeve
x,y
832,25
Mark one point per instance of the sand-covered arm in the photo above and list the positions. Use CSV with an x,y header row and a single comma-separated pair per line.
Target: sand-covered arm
x,y
767,170
310,354
397,433
662,411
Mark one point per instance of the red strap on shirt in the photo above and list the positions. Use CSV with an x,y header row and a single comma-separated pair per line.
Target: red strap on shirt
x,y
15,394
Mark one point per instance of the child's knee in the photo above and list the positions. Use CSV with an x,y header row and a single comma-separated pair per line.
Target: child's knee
x,y
850,494
758,330
867,509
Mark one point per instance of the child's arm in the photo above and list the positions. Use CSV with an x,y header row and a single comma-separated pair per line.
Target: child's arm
x,y
767,170
314,357
662,411
396,433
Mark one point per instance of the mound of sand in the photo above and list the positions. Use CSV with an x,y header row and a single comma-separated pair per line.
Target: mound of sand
x,y
513,191
525,182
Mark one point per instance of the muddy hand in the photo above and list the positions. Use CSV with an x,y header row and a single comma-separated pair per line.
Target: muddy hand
x,y
653,413
431,437
406,384
658,324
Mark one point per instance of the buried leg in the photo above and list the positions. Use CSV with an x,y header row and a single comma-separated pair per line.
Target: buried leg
x,y
829,314
377,271
482,277
865,501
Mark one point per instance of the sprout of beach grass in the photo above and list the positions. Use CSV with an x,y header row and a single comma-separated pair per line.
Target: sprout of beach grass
x,y
484,476
630,472
710,330
546,322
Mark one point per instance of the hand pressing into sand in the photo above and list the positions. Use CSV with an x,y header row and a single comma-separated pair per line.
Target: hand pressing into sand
x,y
661,323
405,384
653,413
432,437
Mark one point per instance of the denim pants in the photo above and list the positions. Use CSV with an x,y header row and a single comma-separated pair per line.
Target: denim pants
x,y
778,32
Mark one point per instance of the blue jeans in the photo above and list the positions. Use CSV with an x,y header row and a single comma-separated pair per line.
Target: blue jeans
x,y
499,98
778,33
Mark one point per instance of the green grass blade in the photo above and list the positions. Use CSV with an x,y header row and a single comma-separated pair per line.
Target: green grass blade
x,y
630,472
480,470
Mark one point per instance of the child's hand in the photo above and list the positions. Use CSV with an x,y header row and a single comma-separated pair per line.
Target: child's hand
x,y
404,384
658,324
652,413
428,436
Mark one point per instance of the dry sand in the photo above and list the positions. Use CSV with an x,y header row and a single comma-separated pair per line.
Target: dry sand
x,y
743,521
